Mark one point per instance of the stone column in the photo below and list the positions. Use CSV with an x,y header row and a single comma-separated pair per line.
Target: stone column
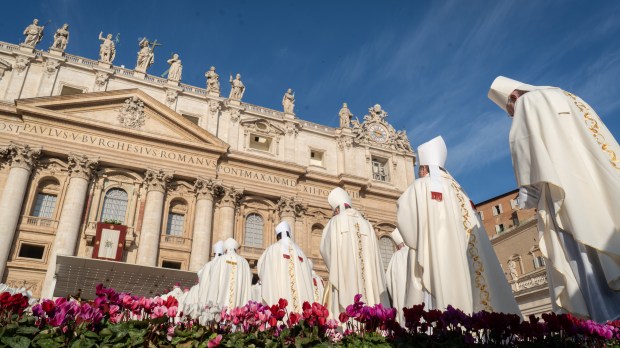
x,y
228,203
22,159
155,182
206,190
81,169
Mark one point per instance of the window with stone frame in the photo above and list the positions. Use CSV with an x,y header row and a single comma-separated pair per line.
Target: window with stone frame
x,y
380,169
253,236
114,206
45,201
175,226
260,142
386,250
539,261
497,209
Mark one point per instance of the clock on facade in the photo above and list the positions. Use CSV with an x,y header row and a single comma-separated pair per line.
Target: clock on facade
x,y
378,133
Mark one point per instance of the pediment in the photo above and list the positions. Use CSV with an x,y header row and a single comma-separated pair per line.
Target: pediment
x,y
262,125
128,111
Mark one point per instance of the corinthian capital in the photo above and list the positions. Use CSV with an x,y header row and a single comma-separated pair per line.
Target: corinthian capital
x,y
156,180
208,188
231,197
290,206
80,166
21,156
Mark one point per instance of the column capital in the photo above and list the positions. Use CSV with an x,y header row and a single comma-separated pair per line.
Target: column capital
x,y
80,166
231,197
21,156
291,207
156,180
208,188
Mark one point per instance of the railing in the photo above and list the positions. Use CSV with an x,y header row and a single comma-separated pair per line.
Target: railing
x,y
123,71
534,279
262,110
80,60
193,89
175,240
322,128
251,251
39,222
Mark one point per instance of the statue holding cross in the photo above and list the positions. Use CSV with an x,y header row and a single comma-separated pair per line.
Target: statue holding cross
x,y
146,55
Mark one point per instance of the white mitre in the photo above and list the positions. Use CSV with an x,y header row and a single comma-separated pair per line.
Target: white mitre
x,y
218,248
433,154
396,237
502,87
230,244
339,197
283,227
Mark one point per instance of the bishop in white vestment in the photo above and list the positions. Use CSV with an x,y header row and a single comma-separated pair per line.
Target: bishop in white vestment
x,y
285,272
230,277
318,284
567,165
397,274
349,248
195,300
451,255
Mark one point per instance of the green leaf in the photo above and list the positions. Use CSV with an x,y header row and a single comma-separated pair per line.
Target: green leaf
x,y
105,332
16,341
91,334
47,343
28,330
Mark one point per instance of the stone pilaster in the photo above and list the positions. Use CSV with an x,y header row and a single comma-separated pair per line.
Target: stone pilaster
x,y
22,159
81,169
19,71
51,66
155,182
206,191
228,203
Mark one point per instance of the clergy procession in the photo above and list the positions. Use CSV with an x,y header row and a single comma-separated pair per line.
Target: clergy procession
x,y
566,165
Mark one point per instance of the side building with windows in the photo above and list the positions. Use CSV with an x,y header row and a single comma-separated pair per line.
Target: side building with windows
x,y
104,162
514,235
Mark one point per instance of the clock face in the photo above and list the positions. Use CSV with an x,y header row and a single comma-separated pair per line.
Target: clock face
x,y
378,133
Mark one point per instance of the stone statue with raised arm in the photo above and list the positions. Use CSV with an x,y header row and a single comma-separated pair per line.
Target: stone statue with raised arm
x,y
345,116
61,38
176,68
288,102
107,49
33,34
146,55
213,81
237,88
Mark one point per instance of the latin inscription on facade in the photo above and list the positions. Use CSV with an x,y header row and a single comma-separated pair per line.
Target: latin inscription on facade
x,y
106,143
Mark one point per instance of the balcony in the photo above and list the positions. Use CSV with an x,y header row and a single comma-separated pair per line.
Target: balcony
x,y
38,224
91,232
535,279
168,240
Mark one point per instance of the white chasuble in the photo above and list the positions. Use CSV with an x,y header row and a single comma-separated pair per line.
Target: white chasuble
x,y
396,281
230,281
567,165
349,249
451,257
318,287
285,273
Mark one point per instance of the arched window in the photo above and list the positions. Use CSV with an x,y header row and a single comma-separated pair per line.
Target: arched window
x,y
176,218
386,249
317,229
45,201
253,231
114,206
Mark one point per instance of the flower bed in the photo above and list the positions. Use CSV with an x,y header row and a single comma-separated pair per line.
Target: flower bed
x,y
122,320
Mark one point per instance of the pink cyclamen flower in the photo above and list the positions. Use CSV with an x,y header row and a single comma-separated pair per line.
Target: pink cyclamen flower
x,y
215,342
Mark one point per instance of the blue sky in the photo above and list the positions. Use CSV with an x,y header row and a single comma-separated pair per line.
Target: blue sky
x,y
428,63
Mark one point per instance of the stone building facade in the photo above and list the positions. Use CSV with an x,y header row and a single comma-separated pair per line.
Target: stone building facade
x,y
514,236
89,147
